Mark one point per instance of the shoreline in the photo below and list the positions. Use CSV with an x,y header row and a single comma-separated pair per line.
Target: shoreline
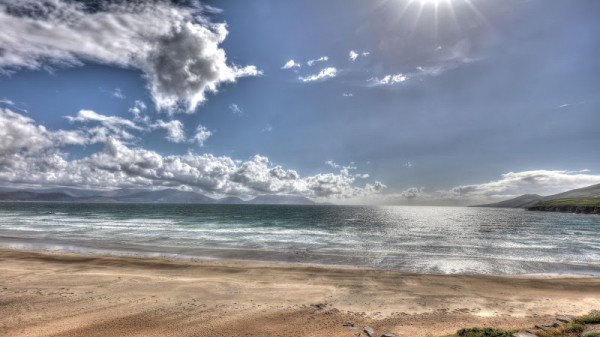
x,y
246,255
72,294
193,260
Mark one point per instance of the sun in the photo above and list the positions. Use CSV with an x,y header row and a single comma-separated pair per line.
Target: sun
x,y
434,2
433,13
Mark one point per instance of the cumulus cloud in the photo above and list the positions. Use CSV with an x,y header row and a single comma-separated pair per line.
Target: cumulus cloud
x,y
388,79
291,64
325,73
202,134
137,110
312,62
174,128
176,48
20,134
31,154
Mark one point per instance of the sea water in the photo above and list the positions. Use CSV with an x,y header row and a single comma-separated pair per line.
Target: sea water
x,y
431,240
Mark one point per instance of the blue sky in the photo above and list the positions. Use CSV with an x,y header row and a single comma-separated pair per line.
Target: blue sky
x,y
434,102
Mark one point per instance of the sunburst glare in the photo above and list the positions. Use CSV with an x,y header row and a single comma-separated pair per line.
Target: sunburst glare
x,y
423,14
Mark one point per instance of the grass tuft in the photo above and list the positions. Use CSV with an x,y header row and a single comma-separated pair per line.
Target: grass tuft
x,y
591,318
569,330
483,332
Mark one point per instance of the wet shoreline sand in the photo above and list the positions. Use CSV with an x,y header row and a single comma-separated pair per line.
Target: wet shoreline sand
x,y
43,294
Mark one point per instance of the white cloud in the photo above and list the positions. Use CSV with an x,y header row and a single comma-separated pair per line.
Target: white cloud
x,y
332,164
510,185
388,79
235,109
110,126
347,94
431,71
543,182
353,55
108,121
449,59
312,62
117,93
323,74
137,109
20,134
202,134
176,49
174,128
30,154
7,101
291,64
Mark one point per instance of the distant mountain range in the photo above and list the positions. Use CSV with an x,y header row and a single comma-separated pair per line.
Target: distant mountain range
x,y
172,196
574,197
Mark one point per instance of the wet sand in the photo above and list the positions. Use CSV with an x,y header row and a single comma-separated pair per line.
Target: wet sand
x,y
74,295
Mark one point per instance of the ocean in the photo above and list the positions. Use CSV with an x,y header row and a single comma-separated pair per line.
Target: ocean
x,y
429,240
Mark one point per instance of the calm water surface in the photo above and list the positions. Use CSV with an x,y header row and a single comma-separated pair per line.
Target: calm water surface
x,y
437,240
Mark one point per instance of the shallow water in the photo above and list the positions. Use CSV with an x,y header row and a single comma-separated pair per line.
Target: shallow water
x,y
437,240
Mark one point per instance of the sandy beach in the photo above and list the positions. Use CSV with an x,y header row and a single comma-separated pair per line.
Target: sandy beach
x,y
73,295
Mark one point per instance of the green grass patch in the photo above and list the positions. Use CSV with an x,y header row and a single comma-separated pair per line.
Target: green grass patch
x,y
587,202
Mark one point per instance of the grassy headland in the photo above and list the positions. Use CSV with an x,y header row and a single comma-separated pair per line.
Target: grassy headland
x,y
573,205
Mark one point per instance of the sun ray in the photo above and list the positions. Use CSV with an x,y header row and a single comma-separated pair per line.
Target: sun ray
x,y
454,17
477,12
435,22
415,23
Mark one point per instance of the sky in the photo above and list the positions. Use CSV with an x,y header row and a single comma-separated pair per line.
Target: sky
x,y
448,102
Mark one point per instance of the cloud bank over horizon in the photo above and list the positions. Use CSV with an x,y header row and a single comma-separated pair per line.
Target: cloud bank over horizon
x,y
176,48
510,185
30,154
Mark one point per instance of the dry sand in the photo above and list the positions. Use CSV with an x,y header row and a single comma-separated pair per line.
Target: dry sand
x,y
70,295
